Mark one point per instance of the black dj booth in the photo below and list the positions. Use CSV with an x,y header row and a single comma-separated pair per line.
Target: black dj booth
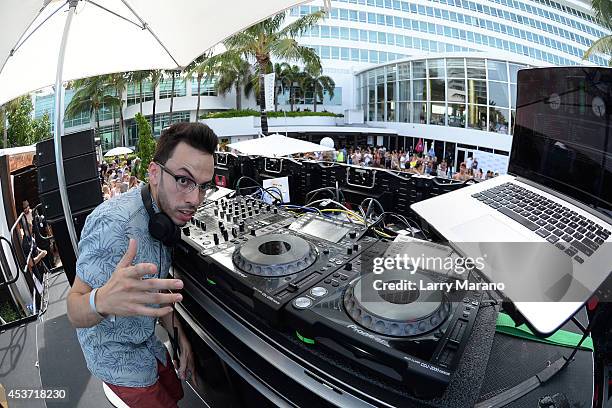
x,y
297,333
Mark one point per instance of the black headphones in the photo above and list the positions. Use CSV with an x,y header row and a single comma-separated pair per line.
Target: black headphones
x,y
161,227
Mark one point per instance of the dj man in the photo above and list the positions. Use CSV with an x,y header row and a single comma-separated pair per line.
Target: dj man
x,y
124,256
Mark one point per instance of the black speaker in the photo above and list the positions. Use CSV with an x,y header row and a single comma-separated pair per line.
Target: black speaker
x,y
62,241
76,170
74,144
81,196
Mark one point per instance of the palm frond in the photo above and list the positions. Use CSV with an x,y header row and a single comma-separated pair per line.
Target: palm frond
x,y
301,25
601,46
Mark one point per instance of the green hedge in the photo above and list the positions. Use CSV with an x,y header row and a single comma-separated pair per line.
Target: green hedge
x,y
252,112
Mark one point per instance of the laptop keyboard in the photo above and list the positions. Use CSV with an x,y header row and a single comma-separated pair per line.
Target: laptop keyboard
x,y
574,234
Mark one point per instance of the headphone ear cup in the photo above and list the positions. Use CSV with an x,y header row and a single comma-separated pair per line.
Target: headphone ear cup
x,y
163,229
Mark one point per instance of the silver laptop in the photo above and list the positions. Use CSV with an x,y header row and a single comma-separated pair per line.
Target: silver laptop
x,y
543,230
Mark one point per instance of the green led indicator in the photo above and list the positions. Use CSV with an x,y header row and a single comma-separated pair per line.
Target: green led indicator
x,y
210,281
304,339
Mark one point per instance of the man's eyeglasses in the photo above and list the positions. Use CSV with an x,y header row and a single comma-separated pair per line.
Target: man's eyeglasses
x,y
186,185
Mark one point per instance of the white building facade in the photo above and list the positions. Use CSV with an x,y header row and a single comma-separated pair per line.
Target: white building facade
x,y
442,70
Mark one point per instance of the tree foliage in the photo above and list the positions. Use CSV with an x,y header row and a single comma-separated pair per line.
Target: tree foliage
x,y
603,12
271,38
146,145
23,130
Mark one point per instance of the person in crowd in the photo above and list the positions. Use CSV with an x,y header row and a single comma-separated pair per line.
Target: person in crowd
x,y
25,205
42,237
115,189
463,174
442,170
367,158
475,164
402,161
340,156
395,165
106,193
28,242
479,174
417,169
134,183
119,291
469,162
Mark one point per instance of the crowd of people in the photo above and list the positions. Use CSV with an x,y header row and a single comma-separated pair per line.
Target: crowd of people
x,y
119,176
405,161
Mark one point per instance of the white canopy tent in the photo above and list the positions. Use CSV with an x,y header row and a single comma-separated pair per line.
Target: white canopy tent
x,y
118,151
276,145
109,36
45,42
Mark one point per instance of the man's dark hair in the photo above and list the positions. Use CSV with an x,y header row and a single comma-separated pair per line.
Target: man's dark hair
x,y
196,135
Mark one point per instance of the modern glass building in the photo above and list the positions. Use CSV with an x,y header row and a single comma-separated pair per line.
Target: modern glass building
x,y
444,70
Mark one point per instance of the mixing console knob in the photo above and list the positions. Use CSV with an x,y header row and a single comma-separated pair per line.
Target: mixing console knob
x,y
250,213
216,212
220,224
241,226
192,220
268,208
235,220
326,251
229,216
352,234
216,238
252,231
275,211
186,231
348,267
234,232
202,226
256,211
355,247
349,251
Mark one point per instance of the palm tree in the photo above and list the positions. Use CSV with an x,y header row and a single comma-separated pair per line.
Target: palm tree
x,y
90,95
603,12
317,83
280,83
173,73
269,39
119,82
139,77
200,69
155,76
292,76
235,73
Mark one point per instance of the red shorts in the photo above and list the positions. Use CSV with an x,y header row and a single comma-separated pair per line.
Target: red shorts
x,y
165,393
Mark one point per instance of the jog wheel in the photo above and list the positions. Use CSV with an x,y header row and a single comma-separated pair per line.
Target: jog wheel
x,y
275,255
401,313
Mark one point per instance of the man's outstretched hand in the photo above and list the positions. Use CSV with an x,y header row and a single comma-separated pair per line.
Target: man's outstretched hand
x,y
127,294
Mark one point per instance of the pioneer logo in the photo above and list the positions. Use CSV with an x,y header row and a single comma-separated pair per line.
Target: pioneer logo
x,y
368,335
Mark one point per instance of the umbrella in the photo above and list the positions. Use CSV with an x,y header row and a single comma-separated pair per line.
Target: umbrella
x,y
276,145
94,37
118,151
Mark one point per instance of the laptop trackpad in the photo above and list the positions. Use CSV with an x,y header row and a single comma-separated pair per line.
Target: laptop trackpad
x,y
488,228
530,271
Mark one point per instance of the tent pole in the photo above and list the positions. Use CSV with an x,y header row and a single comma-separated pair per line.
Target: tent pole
x,y
59,105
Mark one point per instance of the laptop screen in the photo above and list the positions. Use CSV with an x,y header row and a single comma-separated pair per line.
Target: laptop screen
x,y
562,132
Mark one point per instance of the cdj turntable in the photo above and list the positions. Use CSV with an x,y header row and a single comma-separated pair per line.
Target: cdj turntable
x,y
413,337
270,270
312,275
